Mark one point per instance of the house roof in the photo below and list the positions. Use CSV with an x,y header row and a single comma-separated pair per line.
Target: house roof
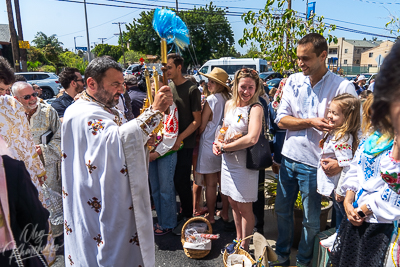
x,y
363,43
370,49
4,33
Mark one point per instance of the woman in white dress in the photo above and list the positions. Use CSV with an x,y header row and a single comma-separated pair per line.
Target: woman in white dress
x,y
209,164
237,182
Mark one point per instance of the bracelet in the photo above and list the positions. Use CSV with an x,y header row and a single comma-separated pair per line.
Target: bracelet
x,y
222,149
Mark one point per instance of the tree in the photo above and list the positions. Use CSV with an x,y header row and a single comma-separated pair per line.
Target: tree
x,y
277,30
132,57
252,52
394,25
210,33
42,40
70,59
113,51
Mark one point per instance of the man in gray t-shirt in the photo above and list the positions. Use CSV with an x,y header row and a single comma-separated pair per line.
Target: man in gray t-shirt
x,y
187,98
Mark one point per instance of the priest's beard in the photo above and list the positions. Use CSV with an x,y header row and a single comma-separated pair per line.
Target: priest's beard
x,y
105,97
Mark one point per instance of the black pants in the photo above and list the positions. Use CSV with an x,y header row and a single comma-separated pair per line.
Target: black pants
x,y
182,181
258,206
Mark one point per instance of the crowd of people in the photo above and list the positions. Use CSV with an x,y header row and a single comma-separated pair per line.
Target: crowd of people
x,y
110,158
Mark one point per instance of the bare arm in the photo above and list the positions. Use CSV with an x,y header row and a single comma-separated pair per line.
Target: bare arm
x,y
189,130
350,211
295,124
205,116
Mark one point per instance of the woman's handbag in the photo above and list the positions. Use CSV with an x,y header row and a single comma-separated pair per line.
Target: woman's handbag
x,y
259,155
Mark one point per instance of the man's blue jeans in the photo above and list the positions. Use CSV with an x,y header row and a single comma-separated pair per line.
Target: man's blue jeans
x,y
161,175
295,176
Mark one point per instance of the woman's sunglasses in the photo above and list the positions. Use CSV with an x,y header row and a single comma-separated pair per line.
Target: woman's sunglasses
x,y
251,71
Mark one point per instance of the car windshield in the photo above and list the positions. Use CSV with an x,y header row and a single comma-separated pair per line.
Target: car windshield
x,y
273,82
263,75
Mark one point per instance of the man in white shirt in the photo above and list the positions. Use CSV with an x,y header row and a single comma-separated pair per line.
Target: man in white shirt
x,y
303,113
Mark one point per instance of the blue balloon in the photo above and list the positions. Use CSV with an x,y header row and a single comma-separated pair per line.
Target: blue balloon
x,y
171,27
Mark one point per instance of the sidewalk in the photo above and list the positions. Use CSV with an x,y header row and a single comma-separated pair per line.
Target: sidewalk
x,y
169,251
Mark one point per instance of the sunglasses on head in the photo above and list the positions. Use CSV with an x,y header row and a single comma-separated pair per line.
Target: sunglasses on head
x,y
27,97
251,71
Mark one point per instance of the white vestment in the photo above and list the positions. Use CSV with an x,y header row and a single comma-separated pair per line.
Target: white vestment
x,y
14,129
107,210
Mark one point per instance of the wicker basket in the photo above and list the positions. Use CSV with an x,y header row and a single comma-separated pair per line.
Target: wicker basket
x,y
240,252
194,253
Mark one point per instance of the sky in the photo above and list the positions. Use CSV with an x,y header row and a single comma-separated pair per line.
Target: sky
x,y
67,19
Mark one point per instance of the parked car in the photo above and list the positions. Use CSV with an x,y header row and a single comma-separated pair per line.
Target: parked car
x,y
270,75
350,78
132,69
48,81
271,84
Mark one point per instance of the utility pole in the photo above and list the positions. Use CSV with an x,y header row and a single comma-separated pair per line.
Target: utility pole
x,y
120,36
102,40
22,52
176,6
14,41
288,29
87,32
306,10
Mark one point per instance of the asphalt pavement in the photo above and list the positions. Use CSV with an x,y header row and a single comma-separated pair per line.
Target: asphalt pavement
x,y
169,251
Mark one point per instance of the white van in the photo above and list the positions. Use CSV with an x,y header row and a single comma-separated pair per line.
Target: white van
x,y
231,65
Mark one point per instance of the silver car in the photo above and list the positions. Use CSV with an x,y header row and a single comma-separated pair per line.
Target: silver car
x,y
48,81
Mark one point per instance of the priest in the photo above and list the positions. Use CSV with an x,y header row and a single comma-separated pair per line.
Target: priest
x,y
107,210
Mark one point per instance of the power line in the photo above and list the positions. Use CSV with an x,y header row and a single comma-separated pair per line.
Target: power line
x,y
237,14
379,3
227,13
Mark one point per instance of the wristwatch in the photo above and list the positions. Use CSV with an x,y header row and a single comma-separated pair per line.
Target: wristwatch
x,y
360,212
222,149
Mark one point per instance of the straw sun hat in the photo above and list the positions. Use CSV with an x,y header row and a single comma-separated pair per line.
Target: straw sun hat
x,y
219,76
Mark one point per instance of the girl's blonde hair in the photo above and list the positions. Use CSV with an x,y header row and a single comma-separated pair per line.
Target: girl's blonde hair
x,y
350,106
366,124
245,73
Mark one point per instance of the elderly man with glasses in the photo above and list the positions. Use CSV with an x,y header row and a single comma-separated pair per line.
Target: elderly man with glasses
x,y
45,127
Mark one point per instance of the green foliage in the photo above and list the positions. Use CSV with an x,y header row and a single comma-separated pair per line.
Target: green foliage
x,y
271,187
252,52
42,40
132,57
70,59
210,33
277,31
394,25
33,66
36,54
47,68
113,51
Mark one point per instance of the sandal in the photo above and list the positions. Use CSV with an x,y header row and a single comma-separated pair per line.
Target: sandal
x,y
161,231
156,226
202,211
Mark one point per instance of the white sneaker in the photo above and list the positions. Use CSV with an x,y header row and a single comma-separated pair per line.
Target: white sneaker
x,y
328,242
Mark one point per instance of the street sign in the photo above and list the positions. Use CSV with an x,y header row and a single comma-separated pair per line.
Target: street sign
x,y
83,48
379,59
310,10
24,44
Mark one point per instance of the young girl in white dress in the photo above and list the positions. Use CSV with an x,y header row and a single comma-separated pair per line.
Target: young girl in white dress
x,y
340,143
237,182
209,164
